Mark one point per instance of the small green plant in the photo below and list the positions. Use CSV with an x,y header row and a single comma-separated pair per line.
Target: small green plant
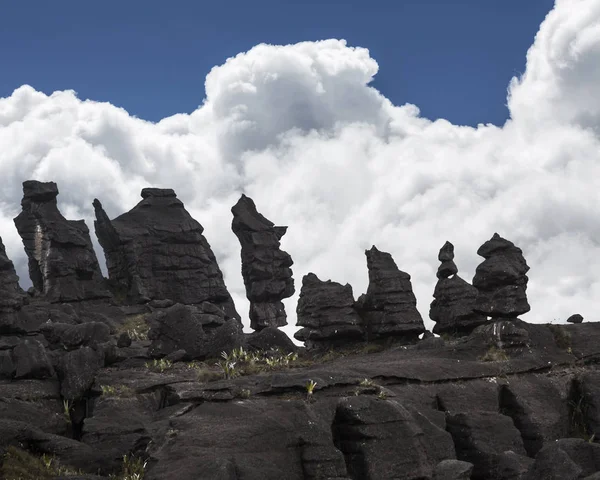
x,y
495,354
227,366
136,326
310,388
367,382
18,464
67,407
245,393
159,365
382,395
133,468
116,391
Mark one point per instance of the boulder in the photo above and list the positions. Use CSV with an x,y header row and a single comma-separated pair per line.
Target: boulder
x,y
265,267
31,360
453,470
575,318
77,371
327,314
454,299
500,279
194,329
389,308
156,251
270,338
62,263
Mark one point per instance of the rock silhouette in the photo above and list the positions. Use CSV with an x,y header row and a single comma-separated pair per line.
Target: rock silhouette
x,y
454,299
11,294
389,308
156,251
500,279
265,267
327,314
62,263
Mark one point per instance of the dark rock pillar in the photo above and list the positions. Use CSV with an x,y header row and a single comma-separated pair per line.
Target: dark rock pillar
x,y
156,251
11,294
454,298
265,267
326,311
389,308
62,262
500,279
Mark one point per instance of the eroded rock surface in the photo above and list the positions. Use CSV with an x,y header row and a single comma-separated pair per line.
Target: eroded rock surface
x,y
265,267
156,251
454,299
62,263
327,314
389,308
500,279
11,294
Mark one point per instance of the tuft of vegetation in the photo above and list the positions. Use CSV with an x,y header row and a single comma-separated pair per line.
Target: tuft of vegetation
x,y
495,354
244,393
243,362
18,464
136,326
310,388
159,365
67,408
120,391
562,337
382,395
134,468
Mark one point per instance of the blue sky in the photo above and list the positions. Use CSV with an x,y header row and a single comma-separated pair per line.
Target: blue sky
x,y
452,59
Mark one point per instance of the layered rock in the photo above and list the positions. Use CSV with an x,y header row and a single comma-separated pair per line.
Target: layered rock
x,y
500,279
11,294
454,298
156,251
326,311
265,267
62,263
389,308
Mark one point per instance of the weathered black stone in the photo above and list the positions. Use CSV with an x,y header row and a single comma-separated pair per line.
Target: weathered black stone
x,y
326,311
156,251
500,279
11,294
389,308
62,263
265,267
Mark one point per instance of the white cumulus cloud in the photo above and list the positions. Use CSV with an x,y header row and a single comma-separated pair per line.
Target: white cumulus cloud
x,y
299,129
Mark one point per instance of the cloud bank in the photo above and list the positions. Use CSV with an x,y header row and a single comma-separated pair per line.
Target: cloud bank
x,y
299,129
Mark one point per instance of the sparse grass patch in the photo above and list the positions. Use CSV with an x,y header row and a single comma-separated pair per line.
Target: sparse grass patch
x,y
495,354
19,464
120,391
134,468
561,335
159,365
136,326
310,388
242,362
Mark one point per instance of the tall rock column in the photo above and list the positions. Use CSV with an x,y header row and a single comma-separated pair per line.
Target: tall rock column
x,y
157,251
500,279
62,263
265,267
11,294
389,308
454,298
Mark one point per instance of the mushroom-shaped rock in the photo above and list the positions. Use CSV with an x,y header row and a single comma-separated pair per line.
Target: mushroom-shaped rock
x,y
62,262
156,251
389,308
11,294
454,298
265,267
326,311
500,279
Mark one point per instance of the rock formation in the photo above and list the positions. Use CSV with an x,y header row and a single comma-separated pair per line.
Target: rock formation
x,y
575,318
265,267
326,311
454,298
389,308
157,251
11,295
62,263
500,279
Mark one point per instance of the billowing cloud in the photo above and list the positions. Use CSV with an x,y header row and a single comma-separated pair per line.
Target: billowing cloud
x,y
299,129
